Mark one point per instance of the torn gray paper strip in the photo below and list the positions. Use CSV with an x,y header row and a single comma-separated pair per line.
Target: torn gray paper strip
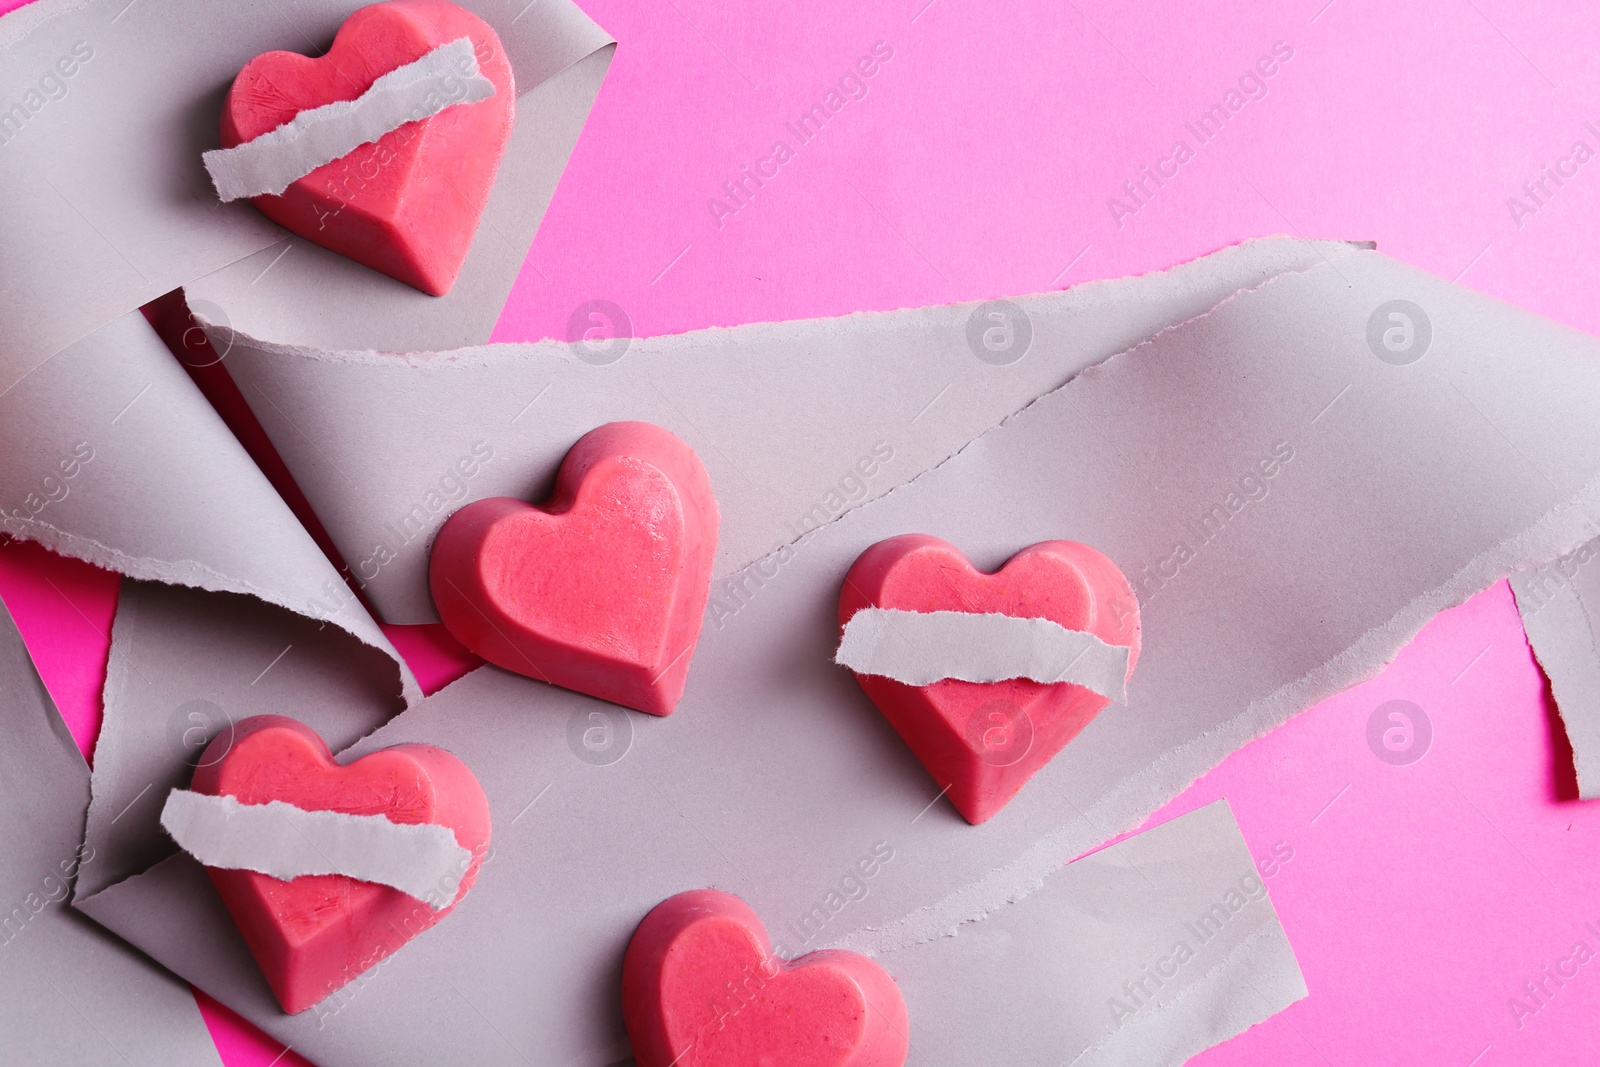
x,y
110,454
1558,603
1147,952
1291,508
70,994
375,441
283,841
443,78
923,647
104,202
185,665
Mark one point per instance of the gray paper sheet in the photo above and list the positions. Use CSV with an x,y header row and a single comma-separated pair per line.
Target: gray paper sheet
x,y
1146,952
185,663
69,992
1558,603
1293,503
103,198
784,415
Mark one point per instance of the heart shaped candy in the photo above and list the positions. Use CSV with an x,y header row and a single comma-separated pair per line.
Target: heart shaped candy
x,y
314,934
984,740
603,587
408,203
702,988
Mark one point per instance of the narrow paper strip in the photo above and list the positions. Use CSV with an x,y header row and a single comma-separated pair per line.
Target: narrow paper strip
x,y
267,165
923,647
278,839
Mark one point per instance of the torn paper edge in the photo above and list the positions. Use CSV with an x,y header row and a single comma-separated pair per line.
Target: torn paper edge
x,y
104,778
123,338
880,321
923,647
1343,248
20,22
117,786
278,839
444,78
1561,633
82,961
859,323
196,575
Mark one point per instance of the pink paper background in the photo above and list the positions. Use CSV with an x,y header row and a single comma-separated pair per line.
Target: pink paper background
x,y
980,161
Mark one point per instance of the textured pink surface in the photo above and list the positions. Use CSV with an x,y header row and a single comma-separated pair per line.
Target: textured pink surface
x,y
601,588
702,987
980,161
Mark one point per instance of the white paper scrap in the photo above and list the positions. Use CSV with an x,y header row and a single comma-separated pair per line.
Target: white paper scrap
x,y
268,164
422,860
923,647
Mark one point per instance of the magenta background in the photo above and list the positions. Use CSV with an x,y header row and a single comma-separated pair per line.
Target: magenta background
x,y
979,164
